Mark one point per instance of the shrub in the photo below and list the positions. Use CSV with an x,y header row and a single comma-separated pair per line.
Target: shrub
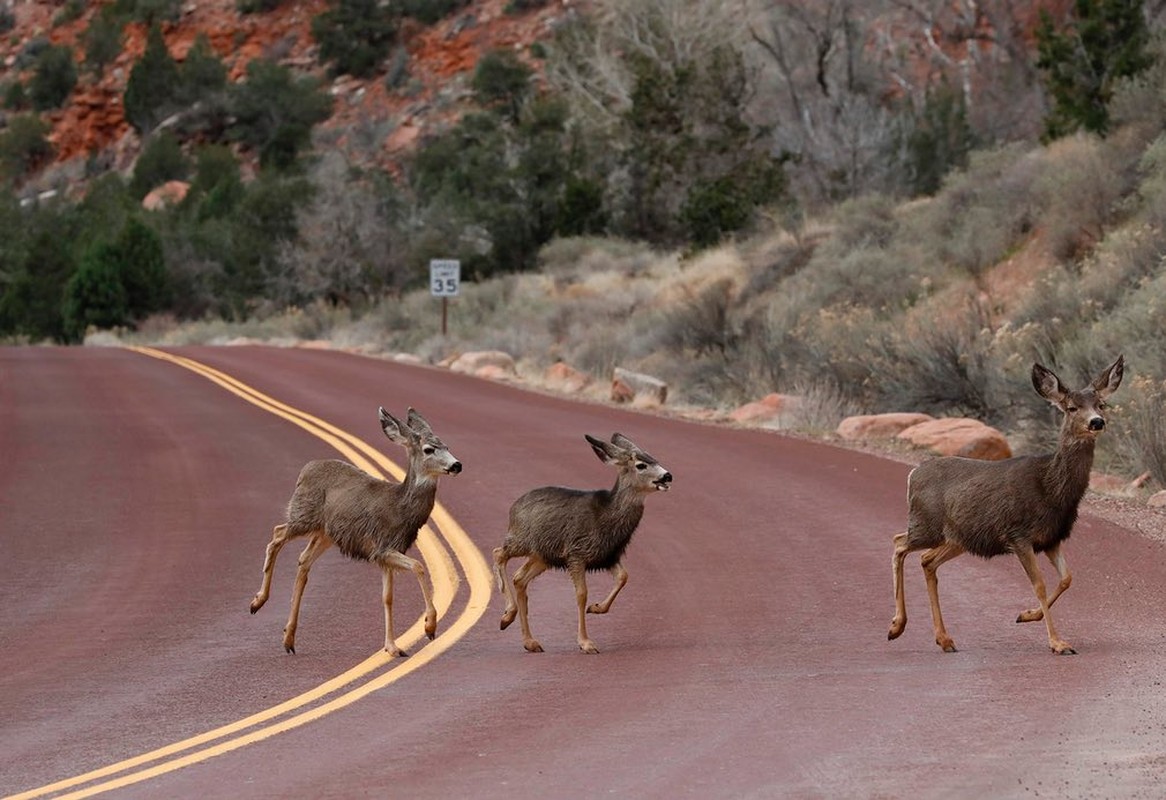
x,y
23,147
502,82
257,6
431,11
217,187
161,160
522,6
71,11
53,78
355,35
1105,41
153,85
939,368
95,295
940,140
151,12
102,40
202,73
275,112
1143,428
15,97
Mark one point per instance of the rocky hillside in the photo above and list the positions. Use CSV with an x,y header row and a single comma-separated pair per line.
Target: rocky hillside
x,y
439,60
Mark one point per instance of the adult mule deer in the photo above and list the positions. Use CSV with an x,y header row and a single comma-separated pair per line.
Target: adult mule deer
x,y
578,531
1024,505
368,519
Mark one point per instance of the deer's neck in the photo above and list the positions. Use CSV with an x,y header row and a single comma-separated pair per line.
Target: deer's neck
x,y
624,510
419,492
1067,476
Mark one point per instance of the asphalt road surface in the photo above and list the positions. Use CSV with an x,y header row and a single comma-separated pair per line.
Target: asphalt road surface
x,y
746,658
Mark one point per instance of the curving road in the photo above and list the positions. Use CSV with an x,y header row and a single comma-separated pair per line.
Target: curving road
x,y
747,656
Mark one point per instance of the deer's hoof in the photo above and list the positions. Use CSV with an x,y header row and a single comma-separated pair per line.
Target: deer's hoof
x,y
1063,649
257,603
947,644
596,608
397,652
897,627
588,646
1032,615
291,648
532,646
507,618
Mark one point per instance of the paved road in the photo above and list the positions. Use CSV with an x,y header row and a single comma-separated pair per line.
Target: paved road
x,y
747,656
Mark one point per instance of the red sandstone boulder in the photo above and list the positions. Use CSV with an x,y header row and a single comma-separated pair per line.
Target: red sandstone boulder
x,y
492,364
958,436
878,426
768,409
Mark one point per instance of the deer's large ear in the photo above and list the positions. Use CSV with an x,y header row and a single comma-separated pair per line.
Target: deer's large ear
x,y
393,428
619,440
1110,379
417,423
608,453
1047,384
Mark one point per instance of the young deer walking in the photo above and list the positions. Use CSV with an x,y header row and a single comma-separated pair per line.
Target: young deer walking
x,y
368,519
578,531
1024,505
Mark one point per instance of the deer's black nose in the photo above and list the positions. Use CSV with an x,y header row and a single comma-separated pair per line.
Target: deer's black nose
x,y
455,468
1096,424
666,477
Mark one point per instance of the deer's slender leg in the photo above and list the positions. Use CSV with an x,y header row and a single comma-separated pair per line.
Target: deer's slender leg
x,y
899,622
316,547
393,559
620,573
930,561
1066,578
279,537
387,597
533,567
1032,568
501,558
579,577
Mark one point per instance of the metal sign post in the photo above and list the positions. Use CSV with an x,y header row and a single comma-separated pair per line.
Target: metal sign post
x,y
445,276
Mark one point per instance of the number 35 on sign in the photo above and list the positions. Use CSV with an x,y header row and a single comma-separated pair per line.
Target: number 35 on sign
x,y
444,277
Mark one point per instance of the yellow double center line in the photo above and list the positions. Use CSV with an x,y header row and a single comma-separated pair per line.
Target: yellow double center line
x,y
288,715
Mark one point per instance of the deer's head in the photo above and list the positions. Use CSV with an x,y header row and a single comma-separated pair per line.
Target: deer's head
x,y
636,466
428,456
1084,409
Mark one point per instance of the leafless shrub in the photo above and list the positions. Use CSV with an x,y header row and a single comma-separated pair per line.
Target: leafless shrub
x,y
1078,188
939,367
1142,430
984,210
346,251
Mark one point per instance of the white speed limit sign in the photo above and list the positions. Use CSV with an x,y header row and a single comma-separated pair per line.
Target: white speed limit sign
x,y
444,276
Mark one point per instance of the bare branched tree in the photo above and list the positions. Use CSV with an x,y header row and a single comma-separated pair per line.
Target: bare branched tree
x,y
347,251
826,95
590,65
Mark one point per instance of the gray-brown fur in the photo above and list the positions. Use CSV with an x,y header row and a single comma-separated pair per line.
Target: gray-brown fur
x,y
367,518
1023,506
577,531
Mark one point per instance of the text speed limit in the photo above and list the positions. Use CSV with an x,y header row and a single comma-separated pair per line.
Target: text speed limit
x,y
444,277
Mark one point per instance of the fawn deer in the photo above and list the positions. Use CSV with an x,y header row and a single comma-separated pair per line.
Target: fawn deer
x,y
368,519
577,531
1024,505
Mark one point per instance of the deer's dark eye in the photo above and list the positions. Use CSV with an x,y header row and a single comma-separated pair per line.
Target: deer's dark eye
x,y
1071,409
640,465
428,450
